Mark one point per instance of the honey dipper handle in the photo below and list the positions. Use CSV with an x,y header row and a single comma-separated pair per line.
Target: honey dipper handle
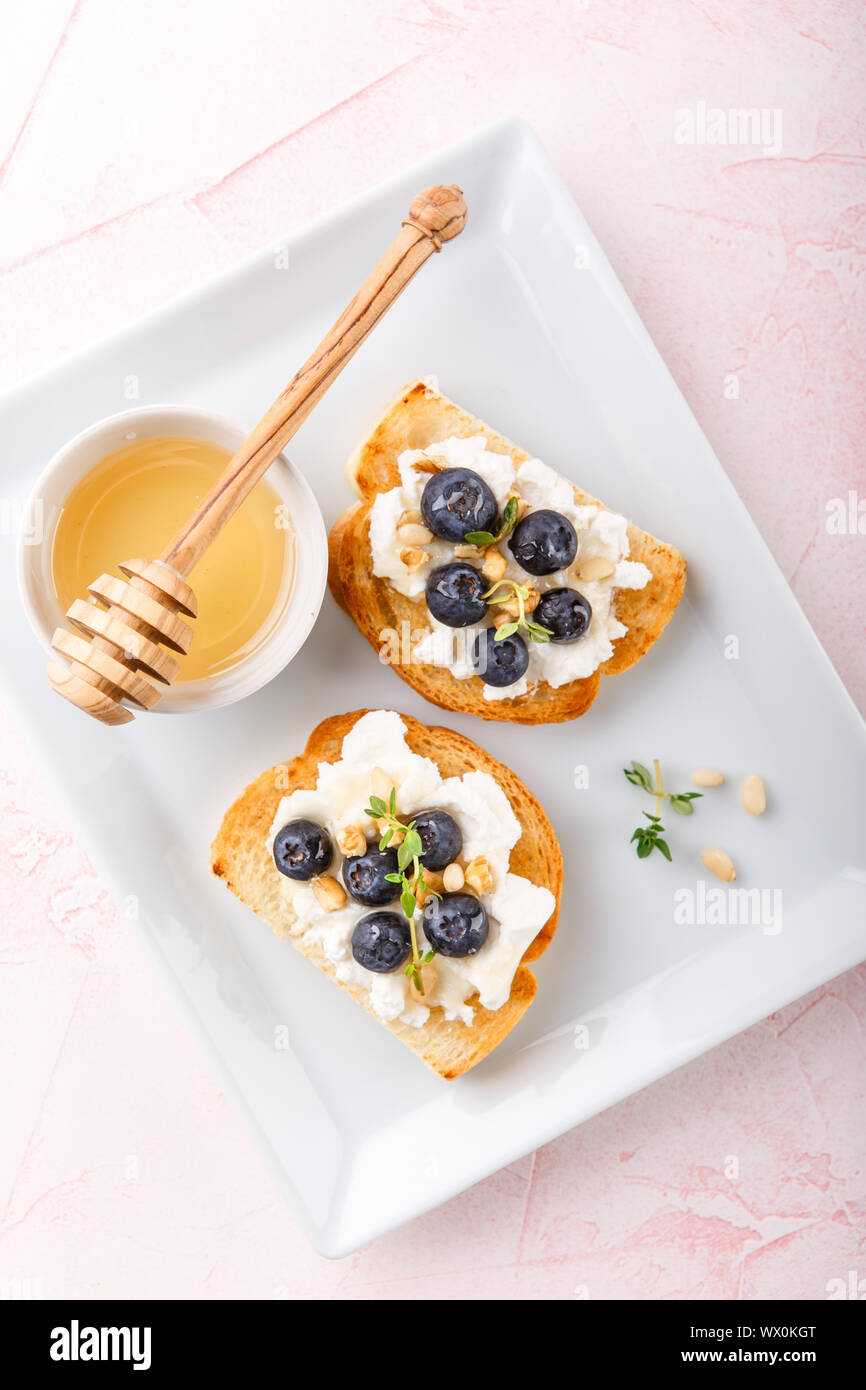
x,y
437,214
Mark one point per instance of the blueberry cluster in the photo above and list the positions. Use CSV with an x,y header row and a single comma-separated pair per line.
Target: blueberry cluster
x,y
457,503
455,924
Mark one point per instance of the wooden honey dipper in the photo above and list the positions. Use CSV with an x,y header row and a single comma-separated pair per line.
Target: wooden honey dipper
x,y
117,651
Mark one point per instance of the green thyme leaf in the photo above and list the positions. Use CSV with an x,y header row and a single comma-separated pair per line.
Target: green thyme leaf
x,y
663,846
413,843
377,806
509,517
407,902
644,775
480,538
506,630
392,801
394,878
386,838
404,856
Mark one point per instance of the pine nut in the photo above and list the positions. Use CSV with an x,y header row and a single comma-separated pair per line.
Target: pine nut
x,y
467,552
351,840
413,533
707,777
453,878
432,884
530,603
410,514
594,567
495,564
396,839
413,557
511,609
753,796
328,893
719,864
478,876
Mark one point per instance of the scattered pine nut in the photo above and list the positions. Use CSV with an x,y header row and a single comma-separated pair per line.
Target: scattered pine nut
x,y
707,777
413,533
592,568
495,564
328,893
719,864
410,515
478,876
753,796
530,603
453,878
466,552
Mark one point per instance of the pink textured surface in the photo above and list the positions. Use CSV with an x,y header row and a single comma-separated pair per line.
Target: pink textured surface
x,y
143,147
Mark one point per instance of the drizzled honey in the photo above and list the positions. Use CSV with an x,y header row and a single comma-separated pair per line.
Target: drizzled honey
x,y
133,502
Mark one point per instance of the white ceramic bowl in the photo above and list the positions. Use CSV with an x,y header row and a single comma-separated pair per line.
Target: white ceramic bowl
x,y
307,536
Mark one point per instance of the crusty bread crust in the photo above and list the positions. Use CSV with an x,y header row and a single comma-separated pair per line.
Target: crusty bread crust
x,y
240,856
421,416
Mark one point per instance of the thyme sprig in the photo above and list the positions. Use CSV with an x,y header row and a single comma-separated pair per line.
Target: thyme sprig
x,y
646,838
483,539
409,852
536,631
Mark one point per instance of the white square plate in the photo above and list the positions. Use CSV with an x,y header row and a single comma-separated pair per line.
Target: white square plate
x,y
524,323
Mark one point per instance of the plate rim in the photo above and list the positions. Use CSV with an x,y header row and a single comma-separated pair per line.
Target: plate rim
x,y
508,132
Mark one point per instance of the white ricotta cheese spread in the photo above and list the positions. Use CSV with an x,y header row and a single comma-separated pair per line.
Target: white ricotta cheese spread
x,y
517,909
600,533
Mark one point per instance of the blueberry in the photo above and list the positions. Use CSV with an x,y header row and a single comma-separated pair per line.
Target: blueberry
x,y
302,850
499,662
456,924
565,612
441,838
543,542
365,876
455,595
381,941
457,501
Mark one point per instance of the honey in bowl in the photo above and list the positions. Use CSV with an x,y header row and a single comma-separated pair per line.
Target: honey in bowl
x,y
132,503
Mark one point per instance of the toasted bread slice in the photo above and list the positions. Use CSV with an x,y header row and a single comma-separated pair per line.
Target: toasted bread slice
x,y
240,856
420,416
